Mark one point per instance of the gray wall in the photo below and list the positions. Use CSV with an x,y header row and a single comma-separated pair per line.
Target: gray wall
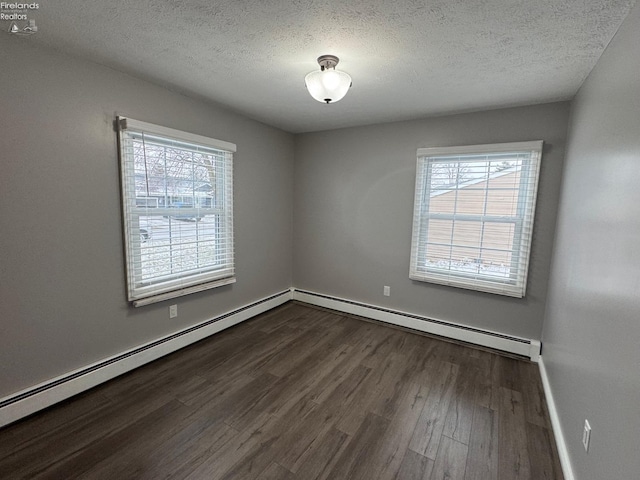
x,y
592,328
62,281
353,208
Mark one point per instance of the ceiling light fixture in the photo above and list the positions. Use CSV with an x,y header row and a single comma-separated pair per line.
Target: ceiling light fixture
x,y
328,85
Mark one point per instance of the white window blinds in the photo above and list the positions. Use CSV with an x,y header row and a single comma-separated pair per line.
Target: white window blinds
x,y
177,197
473,216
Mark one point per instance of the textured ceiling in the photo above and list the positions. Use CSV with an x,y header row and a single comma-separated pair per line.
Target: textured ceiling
x,y
407,58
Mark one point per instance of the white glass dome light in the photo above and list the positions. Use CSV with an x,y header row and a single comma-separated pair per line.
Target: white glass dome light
x,y
328,85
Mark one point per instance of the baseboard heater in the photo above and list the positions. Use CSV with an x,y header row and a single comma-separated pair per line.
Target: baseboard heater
x,y
38,397
485,338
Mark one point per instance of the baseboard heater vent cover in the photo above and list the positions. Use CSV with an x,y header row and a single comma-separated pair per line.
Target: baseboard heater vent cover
x,y
48,393
477,336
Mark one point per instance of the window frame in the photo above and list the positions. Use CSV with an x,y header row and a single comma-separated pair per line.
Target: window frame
x,y
143,292
516,283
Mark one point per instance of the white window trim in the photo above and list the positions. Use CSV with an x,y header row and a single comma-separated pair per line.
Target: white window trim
x,y
515,287
125,123
190,282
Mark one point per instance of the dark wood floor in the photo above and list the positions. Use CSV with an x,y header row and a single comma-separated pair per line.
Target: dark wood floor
x,y
299,393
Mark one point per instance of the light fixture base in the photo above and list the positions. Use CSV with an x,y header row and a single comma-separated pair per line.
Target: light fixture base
x,y
327,61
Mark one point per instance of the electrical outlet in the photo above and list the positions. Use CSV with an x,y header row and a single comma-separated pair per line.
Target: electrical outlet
x,y
173,311
586,435
386,291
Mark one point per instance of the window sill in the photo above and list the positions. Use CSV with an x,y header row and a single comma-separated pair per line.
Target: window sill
x,y
183,291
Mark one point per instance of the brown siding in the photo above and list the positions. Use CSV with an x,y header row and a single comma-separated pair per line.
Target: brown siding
x,y
471,200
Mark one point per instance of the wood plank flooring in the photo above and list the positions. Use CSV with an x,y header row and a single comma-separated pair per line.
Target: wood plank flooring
x,y
299,393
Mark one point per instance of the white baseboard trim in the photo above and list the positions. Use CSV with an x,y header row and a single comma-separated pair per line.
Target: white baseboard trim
x,y
563,453
43,395
486,338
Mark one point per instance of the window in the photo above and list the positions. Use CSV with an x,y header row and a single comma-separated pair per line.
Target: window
x,y
473,216
177,197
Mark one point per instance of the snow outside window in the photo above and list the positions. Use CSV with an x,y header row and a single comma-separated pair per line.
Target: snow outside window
x,y
473,216
177,197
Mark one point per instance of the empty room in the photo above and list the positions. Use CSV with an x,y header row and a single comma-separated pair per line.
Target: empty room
x,y
320,240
